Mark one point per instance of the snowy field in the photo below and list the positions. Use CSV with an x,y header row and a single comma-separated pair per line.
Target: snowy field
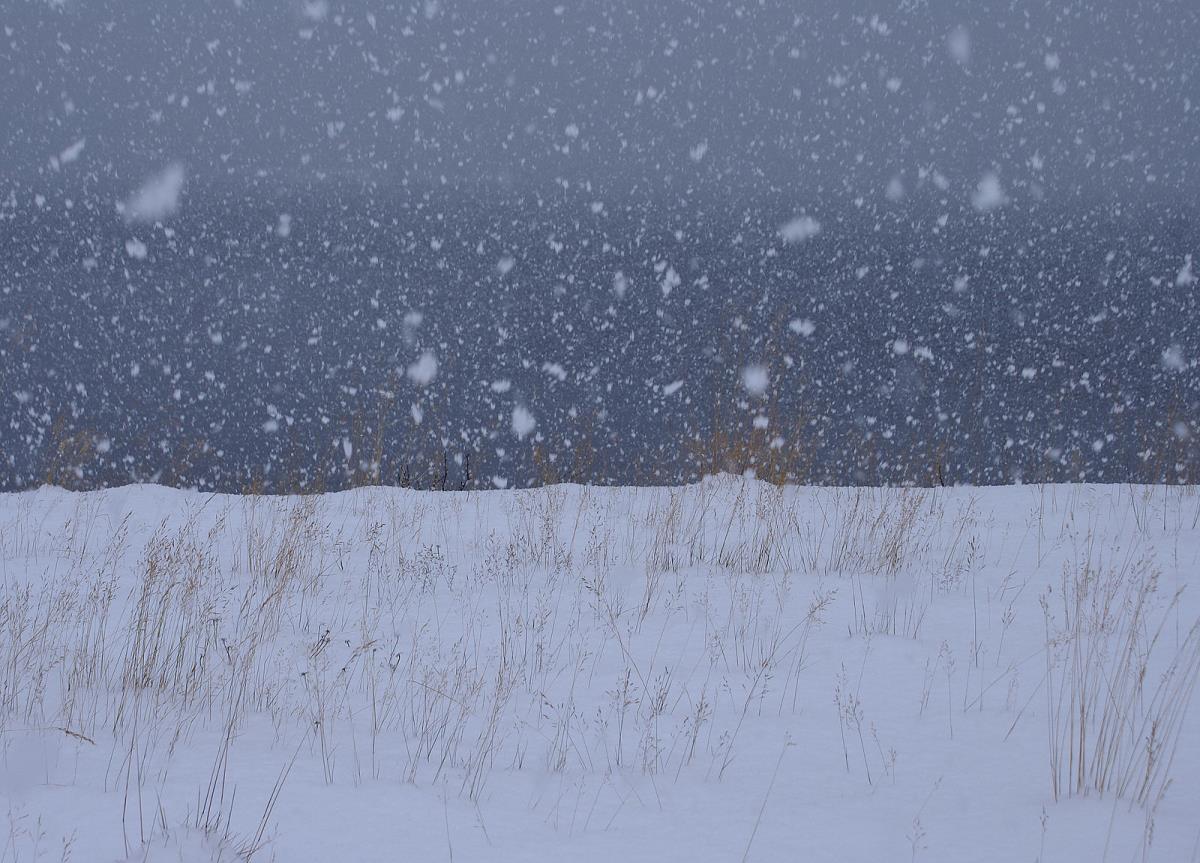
x,y
726,671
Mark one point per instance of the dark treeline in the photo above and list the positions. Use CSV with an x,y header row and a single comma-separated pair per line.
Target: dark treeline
x,y
313,341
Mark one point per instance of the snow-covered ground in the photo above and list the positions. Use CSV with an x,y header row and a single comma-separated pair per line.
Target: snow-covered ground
x,y
725,671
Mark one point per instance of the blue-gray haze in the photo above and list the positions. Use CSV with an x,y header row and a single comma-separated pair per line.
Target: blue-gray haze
x,y
303,244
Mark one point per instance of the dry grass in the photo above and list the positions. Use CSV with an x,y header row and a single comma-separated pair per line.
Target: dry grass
x,y
1118,684
417,638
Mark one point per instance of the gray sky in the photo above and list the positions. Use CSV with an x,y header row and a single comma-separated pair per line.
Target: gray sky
x,y
818,99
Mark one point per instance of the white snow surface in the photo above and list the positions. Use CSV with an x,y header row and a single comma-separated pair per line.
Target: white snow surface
x,y
724,671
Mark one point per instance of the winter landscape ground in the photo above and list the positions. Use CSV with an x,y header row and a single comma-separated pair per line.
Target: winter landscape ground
x,y
722,671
